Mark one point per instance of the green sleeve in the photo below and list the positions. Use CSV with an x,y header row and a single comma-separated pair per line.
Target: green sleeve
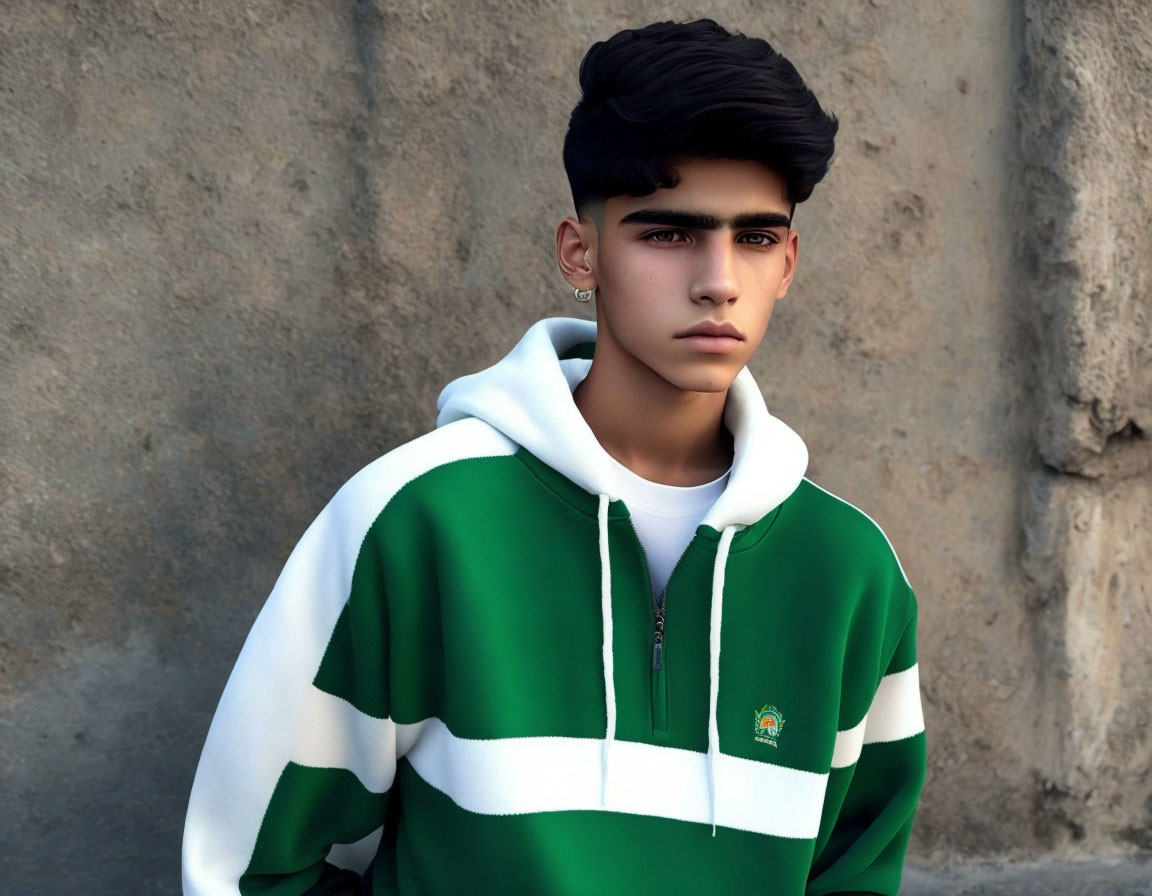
x,y
870,804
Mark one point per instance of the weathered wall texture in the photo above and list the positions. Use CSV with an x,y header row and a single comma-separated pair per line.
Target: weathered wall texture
x,y
1086,139
243,245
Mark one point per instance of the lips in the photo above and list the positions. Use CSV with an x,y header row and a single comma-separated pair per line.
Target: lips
x,y
711,328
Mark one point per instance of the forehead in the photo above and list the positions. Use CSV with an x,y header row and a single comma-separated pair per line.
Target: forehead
x,y
725,186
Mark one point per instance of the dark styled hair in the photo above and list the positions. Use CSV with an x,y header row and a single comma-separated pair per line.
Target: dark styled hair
x,y
670,90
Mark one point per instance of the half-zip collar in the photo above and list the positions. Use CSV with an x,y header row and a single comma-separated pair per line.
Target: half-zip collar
x,y
527,396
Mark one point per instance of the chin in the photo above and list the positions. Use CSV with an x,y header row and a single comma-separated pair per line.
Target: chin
x,y
700,381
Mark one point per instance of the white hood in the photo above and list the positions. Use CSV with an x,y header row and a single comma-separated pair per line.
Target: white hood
x,y
527,395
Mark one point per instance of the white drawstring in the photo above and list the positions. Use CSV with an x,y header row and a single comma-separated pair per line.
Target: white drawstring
x,y
714,664
606,613
713,651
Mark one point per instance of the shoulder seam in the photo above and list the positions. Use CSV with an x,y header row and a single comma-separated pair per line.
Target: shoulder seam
x,y
435,463
429,463
879,528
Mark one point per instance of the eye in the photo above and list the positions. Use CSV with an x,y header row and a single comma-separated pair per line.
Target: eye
x,y
761,239
663,236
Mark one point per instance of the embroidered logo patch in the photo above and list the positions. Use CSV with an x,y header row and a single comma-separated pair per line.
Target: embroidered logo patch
x,y
769,723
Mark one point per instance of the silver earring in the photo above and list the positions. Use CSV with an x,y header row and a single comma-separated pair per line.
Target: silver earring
x,y
584,295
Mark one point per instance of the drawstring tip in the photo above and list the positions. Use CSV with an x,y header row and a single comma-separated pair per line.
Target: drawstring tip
x,y
713,830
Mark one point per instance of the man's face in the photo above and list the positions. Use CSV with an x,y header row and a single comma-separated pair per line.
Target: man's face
x,y
715,248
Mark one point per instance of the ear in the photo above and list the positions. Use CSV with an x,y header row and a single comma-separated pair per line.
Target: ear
x,y
791,251
576,252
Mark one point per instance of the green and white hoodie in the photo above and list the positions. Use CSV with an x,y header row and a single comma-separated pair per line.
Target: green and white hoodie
x,y
451,688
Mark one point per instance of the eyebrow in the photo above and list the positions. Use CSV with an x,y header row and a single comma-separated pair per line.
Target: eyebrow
x,y
702,221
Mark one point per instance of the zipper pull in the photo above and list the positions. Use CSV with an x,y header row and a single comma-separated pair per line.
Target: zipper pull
x,y
658,634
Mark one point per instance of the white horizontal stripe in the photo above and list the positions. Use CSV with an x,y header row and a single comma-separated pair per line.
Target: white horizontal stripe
x,y
895,714
270,714
328,732
520,775
848,744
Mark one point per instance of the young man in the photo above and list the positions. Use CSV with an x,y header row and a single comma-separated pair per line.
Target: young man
x,y
595,633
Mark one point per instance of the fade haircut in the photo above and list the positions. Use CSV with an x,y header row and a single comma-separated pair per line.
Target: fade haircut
x,y
678,90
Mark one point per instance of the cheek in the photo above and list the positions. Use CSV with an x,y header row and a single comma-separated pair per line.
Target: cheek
x,y
766,285
635,285
767,272
758,327
640,263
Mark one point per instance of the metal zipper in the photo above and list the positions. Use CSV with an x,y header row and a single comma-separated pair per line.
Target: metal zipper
x,y
660,611
659,607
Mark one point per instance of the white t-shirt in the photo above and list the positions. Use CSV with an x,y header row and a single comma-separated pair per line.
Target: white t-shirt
x,y
665,516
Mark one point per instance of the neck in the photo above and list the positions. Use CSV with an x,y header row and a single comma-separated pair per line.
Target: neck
x,y
660,432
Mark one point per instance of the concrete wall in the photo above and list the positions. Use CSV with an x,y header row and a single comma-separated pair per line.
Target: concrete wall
x,y
1084,215
243,245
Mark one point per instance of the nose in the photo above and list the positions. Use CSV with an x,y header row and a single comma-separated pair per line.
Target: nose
x,y
715,279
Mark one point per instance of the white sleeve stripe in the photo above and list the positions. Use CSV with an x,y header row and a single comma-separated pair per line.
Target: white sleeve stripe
x,y
270,713
848,745
895,714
